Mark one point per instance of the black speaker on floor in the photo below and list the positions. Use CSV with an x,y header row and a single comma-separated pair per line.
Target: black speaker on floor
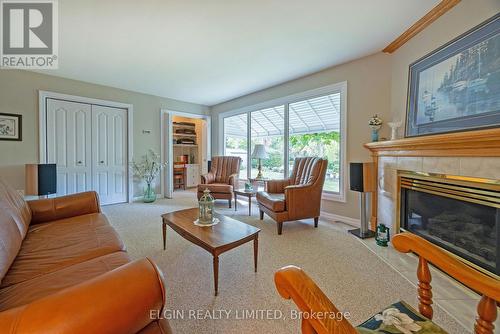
x,y
361,179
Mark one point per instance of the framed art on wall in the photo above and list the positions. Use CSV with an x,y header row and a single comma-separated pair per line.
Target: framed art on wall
x,y
10,127
457,87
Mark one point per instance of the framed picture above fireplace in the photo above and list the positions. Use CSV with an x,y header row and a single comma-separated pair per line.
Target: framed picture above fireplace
x,y
457,87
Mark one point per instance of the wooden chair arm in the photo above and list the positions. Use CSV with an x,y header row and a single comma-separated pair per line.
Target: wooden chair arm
x,y
470,277
322,316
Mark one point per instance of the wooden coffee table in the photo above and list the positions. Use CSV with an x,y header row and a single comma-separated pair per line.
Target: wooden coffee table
x,y
246,193
217,239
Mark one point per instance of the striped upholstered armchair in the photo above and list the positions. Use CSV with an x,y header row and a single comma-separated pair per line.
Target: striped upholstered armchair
x,y
298,197
221,178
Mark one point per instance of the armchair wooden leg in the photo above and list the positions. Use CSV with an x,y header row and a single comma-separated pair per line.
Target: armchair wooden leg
x,y
229,201
280,227
316,221
261,214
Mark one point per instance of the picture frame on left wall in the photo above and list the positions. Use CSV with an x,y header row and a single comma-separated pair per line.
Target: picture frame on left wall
x,y
11,127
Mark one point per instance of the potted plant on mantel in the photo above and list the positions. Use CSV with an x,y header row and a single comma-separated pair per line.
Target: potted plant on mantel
x,y
148,169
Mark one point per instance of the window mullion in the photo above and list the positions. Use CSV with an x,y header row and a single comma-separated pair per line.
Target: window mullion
x,y
286,142
249,145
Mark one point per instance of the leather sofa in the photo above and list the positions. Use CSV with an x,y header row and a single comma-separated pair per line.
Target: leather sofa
x,y
298,197
63,269
222,178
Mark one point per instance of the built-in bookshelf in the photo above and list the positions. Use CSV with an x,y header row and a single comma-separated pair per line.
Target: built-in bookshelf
x,y
185,138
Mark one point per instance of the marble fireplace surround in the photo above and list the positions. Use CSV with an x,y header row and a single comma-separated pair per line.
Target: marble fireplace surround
x,y
472,153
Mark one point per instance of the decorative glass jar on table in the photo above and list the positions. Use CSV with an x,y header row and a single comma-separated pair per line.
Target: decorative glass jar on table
x,y
206,208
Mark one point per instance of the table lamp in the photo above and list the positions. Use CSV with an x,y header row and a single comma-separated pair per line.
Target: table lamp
x,y
259,152
41,179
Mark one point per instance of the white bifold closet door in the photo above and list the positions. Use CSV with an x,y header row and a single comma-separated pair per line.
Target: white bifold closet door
x,y
109,153
88,143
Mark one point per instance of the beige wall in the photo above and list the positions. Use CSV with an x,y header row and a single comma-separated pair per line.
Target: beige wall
x,y
19,95
368,93
376,84
464,16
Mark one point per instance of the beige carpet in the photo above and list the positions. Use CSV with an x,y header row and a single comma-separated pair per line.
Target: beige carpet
x,y
354,278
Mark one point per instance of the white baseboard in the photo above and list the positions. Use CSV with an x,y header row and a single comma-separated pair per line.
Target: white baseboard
x,y
333,217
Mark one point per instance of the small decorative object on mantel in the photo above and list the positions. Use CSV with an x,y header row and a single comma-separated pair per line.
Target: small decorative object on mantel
x,y
394,125
148,169
383,236
11,127
375,123
206,209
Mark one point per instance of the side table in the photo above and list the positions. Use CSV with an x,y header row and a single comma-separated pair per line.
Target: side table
x,y
246,193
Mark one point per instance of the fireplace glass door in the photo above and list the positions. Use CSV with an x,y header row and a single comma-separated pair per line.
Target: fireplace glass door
x,y
461,225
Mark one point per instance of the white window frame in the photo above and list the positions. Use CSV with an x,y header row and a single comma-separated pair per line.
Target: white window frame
x,y
340,87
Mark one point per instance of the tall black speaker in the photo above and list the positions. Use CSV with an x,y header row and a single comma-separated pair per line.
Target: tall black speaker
x,y
361,180
356,176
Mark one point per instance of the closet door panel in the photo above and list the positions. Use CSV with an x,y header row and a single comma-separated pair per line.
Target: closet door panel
x,y
68,144
109,153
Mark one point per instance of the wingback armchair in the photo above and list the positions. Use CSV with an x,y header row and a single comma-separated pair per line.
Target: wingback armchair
x,y
297,197
221,178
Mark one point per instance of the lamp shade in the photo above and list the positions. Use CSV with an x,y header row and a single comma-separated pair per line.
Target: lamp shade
x,y
259,152
41,179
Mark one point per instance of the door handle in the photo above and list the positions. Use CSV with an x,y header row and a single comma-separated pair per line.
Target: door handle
x,y
78,162
102,161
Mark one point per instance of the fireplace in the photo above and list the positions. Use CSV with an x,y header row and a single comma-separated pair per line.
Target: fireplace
x,y
459,214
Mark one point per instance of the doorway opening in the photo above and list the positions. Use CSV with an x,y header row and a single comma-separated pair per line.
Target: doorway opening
x,y
185,147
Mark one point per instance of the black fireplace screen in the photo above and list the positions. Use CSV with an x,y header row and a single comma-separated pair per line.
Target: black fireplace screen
x,y
467,229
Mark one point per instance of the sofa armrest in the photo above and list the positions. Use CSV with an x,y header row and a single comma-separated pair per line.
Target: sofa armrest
x,y
207,178
44,210
124,300
277,186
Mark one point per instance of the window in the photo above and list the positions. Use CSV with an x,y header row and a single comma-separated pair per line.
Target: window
x,y
236,140
267,128
314,127
306,124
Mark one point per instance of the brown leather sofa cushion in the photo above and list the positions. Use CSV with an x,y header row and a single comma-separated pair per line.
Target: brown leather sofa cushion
x,y
12,202
47,284
14,222
49,247
10,242
216,188
274,202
